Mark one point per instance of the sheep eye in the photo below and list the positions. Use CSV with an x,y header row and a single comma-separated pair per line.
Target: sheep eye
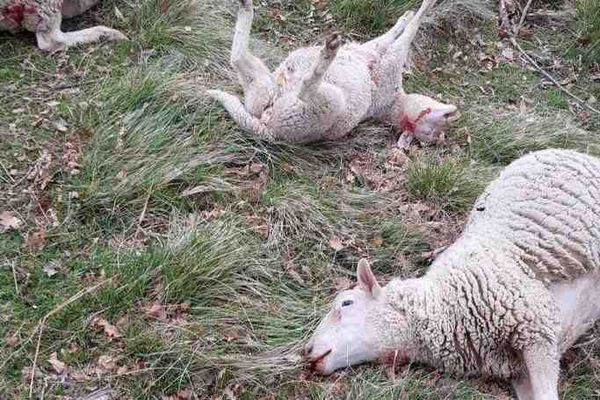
x,y
346,303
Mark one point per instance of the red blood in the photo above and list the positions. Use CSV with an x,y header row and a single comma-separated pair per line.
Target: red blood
x,y
15,12
408,126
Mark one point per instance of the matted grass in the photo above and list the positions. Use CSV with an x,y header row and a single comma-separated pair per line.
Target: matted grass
x,y
215,248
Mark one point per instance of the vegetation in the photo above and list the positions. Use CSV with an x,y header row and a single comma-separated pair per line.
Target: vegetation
x,y
212,254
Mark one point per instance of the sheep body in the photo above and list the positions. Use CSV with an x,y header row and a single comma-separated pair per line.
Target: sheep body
x,y
43,17
492,293
519,286
324,92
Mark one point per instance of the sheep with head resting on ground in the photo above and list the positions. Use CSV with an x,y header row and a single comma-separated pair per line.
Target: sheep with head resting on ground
x,y
514,292
44,18
323,93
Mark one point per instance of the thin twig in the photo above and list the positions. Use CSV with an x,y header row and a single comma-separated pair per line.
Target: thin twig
x,y
14,273
42,324
523,16
143,214
547,75
505,23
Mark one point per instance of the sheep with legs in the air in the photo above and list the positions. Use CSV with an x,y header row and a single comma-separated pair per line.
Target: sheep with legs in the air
x,y
506,300
322,93
44,17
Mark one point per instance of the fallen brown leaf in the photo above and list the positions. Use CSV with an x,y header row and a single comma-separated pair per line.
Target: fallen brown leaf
x,y
12,340
377,242
9,221
36,240
109,329
39,173
156,310
50,268
336,243
106,364
343,283
290,269
56,364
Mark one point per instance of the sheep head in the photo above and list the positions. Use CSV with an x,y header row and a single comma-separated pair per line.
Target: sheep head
x,y
416,115
347,335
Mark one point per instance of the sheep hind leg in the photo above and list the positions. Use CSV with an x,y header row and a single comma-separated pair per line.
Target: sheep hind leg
x,y
240,115
382,42
256,79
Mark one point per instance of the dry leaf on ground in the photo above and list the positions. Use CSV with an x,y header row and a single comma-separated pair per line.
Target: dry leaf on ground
x,y
51,268
106,364
109,329
290,269
57,365
9,221
12,340
36,240
343,283
336,243
156,310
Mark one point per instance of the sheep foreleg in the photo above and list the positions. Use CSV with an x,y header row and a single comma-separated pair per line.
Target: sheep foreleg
x,y
236,109
326,57
51,38
394,60
542,369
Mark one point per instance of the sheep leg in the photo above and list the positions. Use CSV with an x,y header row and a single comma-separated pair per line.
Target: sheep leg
x,y
523,389
252,72
393,63
542,367
311,84
405,140
381,43
51,38
244,119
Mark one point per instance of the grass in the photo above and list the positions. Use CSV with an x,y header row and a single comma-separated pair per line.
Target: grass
x,y
216,246
588,23
446,182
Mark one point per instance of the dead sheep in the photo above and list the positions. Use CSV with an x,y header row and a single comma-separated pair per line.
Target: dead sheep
x,y
506,300
43,17
322,93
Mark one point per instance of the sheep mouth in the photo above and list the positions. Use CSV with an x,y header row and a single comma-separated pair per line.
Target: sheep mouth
x,y
313,362
453,116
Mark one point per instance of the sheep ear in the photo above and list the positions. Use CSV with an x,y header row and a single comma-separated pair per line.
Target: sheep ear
x,y
366,279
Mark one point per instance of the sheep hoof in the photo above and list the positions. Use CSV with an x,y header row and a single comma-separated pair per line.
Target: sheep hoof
x,y
333,42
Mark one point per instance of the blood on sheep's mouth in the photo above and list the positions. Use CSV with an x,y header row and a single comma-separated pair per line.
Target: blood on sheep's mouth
x,y
313,362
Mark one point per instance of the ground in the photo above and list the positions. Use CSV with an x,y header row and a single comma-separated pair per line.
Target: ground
x,y
151,250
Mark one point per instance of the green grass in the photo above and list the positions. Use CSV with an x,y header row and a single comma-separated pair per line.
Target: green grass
x,y
588,24
447,182
165,210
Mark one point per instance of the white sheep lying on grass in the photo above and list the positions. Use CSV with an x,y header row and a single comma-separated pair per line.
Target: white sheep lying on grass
x,y
44,18
323,93
513,293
